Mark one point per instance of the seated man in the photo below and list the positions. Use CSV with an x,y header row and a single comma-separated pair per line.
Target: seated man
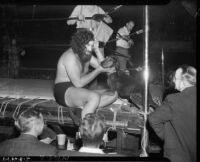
x,y
73,75
31,124
92,130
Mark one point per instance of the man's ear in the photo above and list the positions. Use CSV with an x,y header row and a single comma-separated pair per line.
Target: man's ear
x,y
78,134
41,116
178,73
184,82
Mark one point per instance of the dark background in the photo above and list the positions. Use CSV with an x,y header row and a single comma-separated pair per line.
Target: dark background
x,y
42,31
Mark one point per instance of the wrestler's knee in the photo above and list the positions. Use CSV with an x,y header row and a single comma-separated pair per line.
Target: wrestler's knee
x,y
94,97
112,97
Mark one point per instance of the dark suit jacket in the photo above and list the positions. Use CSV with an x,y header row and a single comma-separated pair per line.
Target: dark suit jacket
x,y
26,145
175,123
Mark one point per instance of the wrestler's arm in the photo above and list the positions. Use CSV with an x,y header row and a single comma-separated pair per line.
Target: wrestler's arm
x,y
75,74
98,53
108,19
95,61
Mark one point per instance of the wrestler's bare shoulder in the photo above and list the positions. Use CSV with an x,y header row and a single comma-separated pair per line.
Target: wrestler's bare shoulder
x,y
68,55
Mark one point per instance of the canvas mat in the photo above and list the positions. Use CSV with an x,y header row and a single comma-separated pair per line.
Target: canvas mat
x,y
26,88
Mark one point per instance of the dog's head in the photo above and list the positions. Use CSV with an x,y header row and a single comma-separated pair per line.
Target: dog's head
x,y
123,84
110,62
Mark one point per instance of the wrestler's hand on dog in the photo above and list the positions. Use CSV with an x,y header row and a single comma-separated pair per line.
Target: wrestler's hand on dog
x,y
108,70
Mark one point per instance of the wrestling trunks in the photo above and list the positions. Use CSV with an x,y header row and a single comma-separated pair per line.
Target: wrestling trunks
x,y
59,92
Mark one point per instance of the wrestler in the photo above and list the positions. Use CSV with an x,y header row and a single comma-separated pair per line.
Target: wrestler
x,y
73,75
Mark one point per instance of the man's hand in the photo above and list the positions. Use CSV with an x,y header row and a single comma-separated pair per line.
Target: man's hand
x,y
99,55
81,17
107,70
108,62
157,100
96,45
107,19
47,140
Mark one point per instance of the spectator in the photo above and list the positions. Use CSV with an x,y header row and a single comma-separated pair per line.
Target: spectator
x,y
14,57
92,131
175,120
31,124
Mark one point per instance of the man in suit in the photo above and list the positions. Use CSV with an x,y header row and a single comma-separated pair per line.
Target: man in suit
x,y
175,120
31,124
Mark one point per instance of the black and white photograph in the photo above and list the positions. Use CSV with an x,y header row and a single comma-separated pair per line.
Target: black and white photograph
x,y
98,81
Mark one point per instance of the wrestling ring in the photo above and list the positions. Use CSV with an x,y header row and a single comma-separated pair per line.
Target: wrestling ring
x,y
17,95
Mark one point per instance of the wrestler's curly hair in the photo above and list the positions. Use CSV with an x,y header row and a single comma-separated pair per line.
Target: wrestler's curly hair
x,y
80,39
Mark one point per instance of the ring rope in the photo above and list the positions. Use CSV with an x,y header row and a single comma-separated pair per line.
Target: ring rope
x,y
60,115
17,109
6,103
37,103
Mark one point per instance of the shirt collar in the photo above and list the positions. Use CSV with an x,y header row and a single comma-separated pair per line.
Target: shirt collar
x,y
28,136
91,150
